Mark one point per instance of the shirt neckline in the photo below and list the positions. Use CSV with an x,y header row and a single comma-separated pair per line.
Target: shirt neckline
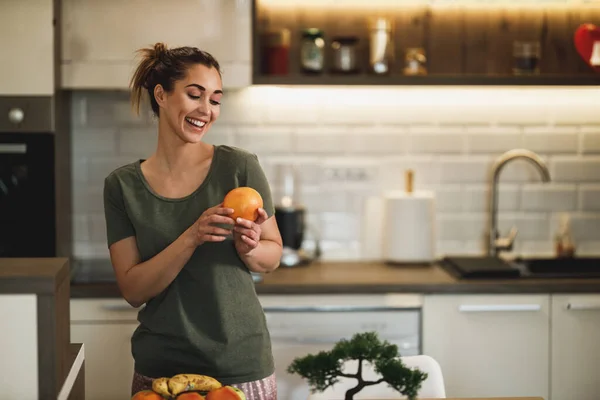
x,y
211,168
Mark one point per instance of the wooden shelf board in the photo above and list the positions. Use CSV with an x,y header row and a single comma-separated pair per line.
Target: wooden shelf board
x,y
429,80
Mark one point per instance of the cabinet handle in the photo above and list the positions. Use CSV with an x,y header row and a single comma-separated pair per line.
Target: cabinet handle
x,y
119,307
583,306
498,307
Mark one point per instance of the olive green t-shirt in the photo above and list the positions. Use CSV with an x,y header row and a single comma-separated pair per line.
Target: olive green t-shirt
x,y
209,319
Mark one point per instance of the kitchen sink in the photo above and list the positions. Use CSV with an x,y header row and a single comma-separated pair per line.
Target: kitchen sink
x,y
490,267
576,267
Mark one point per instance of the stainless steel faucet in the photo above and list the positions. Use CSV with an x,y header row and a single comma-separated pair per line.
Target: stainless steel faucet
x,y
495,242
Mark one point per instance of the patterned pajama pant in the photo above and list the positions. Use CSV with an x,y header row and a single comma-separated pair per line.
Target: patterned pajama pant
x,y
262,389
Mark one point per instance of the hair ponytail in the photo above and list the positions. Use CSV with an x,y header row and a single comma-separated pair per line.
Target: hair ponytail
x,y
162,66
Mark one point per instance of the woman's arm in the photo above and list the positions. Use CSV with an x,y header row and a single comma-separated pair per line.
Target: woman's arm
x,y
266,256
141,281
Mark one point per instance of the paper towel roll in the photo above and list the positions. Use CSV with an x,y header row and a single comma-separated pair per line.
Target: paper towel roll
x,y
409,227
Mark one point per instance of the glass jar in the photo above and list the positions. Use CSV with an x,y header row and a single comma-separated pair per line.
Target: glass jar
x,y
344,54
312,51
381,49
276,52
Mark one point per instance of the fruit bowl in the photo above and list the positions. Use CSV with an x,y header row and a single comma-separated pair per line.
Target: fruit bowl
x,y
189,387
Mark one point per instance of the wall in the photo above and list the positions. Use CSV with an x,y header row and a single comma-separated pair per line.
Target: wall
x,y
449,136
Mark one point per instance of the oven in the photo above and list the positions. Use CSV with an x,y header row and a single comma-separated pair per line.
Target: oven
x,y
27,198
27,177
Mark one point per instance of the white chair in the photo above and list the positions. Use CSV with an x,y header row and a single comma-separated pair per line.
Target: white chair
x,y
433,387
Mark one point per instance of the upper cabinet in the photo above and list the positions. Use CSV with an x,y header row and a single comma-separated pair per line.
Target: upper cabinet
x,y
27,43
100,37
427,42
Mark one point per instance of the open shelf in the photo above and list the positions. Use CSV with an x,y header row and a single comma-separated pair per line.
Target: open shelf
x,y
428,80
463,46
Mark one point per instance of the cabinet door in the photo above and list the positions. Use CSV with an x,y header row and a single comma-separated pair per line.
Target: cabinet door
x,y
100,37
489,345
27,43
575,351
108,360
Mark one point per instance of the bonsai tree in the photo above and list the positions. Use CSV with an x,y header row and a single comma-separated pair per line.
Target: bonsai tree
x,y
324,369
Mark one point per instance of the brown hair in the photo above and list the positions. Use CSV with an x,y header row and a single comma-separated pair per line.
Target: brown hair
x,y
162,66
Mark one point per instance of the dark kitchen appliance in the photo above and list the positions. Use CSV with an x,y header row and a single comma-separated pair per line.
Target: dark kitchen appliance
x,y
35,198
27,195
290,215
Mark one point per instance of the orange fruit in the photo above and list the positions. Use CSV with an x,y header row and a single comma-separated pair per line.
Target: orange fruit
x,y
226,393
190,396
147,395
245,202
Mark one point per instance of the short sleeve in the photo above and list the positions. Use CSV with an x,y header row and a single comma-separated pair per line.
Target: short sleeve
x,y
256,179
118,224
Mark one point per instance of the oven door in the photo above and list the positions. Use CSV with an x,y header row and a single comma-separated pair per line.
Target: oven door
x,y
27,200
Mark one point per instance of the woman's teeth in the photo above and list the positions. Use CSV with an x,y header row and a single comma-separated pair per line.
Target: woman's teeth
x,y
195,122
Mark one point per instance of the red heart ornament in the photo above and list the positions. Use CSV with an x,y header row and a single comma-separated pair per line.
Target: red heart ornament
x,y
587,43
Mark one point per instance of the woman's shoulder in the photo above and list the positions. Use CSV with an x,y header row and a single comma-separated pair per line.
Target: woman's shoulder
x,y
236,158
124,173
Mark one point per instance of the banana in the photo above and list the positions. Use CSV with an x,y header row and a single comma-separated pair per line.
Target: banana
x,y
187,382
161,386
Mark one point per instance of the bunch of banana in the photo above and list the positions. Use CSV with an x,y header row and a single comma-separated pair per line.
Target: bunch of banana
x,y
171,387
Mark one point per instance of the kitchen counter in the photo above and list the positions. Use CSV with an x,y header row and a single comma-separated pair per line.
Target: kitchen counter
x,y
95,279
34,298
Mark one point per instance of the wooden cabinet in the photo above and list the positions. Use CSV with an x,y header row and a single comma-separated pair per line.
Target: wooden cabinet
x,y
100,38
27,43
575,353
105,326
489,345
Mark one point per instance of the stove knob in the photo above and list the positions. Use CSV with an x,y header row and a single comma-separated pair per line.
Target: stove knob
x,y
16,115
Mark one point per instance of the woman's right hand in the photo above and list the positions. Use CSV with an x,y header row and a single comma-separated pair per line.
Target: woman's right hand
x,y
204,230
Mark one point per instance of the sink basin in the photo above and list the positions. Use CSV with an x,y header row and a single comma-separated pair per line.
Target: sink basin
x,y
577,267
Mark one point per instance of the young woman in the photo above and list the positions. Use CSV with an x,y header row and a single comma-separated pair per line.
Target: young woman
x,y
173,246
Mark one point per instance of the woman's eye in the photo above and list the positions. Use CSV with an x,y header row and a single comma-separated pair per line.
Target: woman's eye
x,y
193,97
215,103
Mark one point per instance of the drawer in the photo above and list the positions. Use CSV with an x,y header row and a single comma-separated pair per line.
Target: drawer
x,y
102,310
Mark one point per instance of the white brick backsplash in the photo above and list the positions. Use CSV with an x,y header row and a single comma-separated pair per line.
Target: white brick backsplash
x,y
437,140
449,136
591,143
476,198
454,170
265,139
137,142
531,226
91,141
462,226
548,197
590,197
572,169
378,140
322,140
551,140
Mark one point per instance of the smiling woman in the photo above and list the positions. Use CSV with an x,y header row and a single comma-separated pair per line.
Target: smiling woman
x,y
174,247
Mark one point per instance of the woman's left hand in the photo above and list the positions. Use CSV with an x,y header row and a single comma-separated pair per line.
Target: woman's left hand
x,y
246,233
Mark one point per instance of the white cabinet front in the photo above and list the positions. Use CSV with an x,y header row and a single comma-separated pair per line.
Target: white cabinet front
x,y
489,345
575,349
27,43
100,38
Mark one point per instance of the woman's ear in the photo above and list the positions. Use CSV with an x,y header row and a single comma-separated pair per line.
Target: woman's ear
x,y
160,95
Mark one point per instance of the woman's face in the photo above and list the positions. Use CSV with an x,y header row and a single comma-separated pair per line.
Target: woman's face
x,y
194,103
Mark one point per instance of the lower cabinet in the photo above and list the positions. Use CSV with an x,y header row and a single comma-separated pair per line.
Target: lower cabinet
x,y
105,327
575,351
490,345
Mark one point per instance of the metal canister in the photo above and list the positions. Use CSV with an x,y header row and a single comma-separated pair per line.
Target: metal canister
x,y
312,51
381,46
344,54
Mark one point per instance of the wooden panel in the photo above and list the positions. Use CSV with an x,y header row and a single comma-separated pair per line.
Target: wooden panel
x,y
458,40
